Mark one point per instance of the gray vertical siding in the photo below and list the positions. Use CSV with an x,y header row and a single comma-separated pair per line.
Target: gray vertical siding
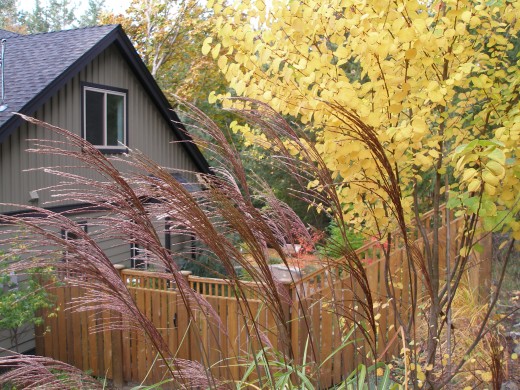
x,y
147,130
116,250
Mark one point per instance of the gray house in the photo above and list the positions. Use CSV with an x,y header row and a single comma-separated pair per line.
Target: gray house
x,y
90,81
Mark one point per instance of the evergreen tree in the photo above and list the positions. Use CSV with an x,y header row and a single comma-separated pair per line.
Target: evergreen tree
x,y
57,15
92,14
60,15
9,16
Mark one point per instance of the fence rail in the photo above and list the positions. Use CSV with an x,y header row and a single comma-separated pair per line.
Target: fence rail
x,y
318,320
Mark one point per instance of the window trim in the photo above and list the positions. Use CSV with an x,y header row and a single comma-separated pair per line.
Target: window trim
x,y
105,149
68,235
138,257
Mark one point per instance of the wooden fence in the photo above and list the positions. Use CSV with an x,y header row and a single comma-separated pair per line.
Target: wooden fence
x,y
319,318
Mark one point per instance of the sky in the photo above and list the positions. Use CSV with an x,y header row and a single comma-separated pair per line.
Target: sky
x,y
117,6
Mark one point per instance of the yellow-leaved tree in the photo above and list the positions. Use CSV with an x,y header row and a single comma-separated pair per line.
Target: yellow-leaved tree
x,y
412,103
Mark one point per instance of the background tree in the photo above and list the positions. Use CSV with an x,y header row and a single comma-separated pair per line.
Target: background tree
x,y
168,35
8,13
55,15
395,93
92,15
435,76
37,20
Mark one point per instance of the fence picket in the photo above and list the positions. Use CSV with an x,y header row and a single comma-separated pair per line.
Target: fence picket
x,y
319,314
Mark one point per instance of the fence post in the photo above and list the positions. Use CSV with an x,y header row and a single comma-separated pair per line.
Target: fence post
x,y
117,346
186,274
284,341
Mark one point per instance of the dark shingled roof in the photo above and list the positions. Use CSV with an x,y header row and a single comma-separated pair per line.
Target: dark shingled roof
x,y
32,62
38,65
4,34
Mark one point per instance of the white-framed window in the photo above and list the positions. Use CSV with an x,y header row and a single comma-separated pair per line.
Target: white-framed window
x,y
105,117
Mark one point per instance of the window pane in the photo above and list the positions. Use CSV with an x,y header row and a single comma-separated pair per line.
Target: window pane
x,y
94,117
115,119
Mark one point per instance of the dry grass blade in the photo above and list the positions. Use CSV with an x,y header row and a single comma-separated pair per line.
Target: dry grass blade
x,y
36,372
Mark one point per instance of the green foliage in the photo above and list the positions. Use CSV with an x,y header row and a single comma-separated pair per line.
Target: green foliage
x,y
56,15
284,185
20,302
50,15
375,377
275,260
335,243
7,13
204,265
283,373
92,14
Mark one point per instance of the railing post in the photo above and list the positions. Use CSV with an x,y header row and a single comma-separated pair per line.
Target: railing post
x,y
186,274
284,340
117,346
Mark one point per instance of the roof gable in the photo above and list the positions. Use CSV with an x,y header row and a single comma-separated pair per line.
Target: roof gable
x,y
33,63
38,65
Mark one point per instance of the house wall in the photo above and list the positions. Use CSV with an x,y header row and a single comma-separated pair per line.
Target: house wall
x,y
147,131
117,251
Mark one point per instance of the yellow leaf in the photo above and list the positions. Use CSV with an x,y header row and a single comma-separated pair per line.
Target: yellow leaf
x,y
490,178
466,16
436,96
222,61
434,153
215,51
419,125
212,98
490,189
498,155
496,168
474,185
206,47
514,356
464,251
469,174
395,108
406,34
410,54
487,376
474,22
460,29
379,213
